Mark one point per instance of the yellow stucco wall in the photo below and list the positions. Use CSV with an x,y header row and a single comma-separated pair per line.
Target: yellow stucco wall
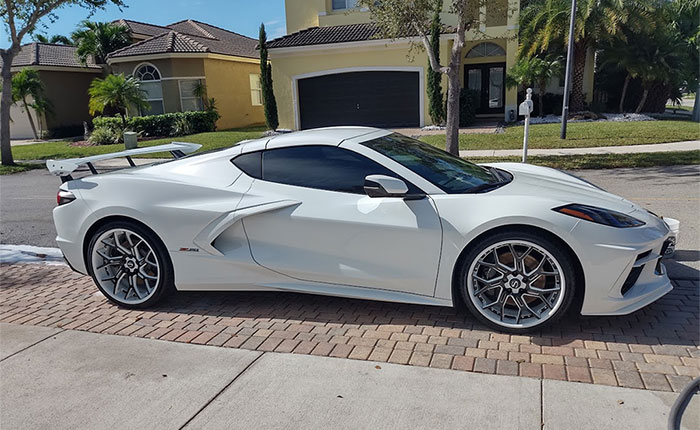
x,y
302,14
229,83
285,67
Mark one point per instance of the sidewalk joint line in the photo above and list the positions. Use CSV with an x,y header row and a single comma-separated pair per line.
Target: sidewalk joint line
x,y
235,378
35,343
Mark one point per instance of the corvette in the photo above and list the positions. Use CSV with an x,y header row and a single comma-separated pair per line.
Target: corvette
x,y
363,213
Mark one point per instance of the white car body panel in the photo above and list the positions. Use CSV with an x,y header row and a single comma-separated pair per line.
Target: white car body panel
x,y
225,230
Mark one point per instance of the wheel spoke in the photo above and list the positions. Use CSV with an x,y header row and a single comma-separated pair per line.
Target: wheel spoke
x,y
504,291
126,256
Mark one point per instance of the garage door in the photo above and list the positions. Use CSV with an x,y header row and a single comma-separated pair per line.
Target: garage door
x,y
378,99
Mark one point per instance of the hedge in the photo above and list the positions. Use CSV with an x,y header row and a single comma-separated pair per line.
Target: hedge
x,y
165,125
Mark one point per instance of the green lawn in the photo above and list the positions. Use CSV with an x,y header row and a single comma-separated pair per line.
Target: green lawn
x,y
213,140
672,107
579,135
603,161
20,167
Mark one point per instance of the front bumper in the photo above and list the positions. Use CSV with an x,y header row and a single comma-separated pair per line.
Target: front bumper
x,y
623,269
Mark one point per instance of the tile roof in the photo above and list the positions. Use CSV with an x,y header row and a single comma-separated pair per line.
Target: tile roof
x,y
337,34
142,28
325,35
49,54
191,37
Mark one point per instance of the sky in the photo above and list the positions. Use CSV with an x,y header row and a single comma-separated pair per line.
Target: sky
x,y
241,16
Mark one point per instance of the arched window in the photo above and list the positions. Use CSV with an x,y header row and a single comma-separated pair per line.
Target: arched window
x,y
150,84
486,49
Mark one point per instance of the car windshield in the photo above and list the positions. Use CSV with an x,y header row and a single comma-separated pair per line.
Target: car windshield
x,y
451,174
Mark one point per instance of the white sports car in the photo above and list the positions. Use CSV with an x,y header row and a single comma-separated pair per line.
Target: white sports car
x,y
363,213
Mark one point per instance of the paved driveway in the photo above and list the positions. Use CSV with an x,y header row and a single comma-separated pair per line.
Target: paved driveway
x,y
655,348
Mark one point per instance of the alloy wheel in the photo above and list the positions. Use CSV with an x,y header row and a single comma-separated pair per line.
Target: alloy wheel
x,y
125,266
516,284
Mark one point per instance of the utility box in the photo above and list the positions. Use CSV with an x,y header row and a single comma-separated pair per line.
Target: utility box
x,y
130,139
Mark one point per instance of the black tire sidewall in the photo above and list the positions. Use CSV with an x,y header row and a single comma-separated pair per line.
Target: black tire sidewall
x,y
165,283
562,256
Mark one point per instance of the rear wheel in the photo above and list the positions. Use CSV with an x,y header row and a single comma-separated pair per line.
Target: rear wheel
x,y
517,281
129,264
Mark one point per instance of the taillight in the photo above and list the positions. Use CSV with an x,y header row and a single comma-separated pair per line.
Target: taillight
x,y
64,197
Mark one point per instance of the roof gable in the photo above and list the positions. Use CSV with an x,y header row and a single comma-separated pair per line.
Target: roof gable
x,y
191,36
50,55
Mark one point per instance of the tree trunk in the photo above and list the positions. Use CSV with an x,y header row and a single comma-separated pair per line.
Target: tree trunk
x,y
5,103
624,92
642,101
29,116
121,114
452,124
577,101
696,107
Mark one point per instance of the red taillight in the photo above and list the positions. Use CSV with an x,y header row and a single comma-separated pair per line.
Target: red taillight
x,y
64,197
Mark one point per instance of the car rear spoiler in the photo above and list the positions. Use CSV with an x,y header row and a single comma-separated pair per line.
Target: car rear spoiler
x,y
64,168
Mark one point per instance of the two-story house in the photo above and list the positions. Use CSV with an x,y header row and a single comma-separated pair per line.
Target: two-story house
x,y
333,69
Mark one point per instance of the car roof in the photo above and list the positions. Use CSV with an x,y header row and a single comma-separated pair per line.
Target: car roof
x,y
318,136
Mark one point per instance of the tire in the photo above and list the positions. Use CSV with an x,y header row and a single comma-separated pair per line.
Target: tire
x,y
129,264
516,281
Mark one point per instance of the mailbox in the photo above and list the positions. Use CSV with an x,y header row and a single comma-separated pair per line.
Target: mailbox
x,y
526,108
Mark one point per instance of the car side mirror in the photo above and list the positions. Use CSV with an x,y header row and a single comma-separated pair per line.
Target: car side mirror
x,y
385,186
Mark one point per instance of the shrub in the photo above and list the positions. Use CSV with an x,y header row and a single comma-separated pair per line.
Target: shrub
x,y
468,101
104,136
165,125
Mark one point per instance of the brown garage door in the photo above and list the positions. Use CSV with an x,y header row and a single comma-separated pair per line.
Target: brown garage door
x,y
378,99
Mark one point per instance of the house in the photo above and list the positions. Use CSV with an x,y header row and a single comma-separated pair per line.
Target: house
x,y
333,69
172,60
66,82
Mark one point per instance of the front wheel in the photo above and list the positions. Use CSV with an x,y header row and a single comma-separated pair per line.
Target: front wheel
x,y
129,264
517,281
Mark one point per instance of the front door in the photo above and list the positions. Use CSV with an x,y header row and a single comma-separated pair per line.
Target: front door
x,y
333,232
488,80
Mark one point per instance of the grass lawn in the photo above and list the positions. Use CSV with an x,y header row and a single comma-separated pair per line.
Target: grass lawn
x,y
604,161
579,135
20,167
213,140
687,108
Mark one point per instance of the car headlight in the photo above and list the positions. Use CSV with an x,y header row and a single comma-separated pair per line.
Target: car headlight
x,y
599,215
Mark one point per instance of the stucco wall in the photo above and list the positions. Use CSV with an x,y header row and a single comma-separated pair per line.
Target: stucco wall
x,y
229,83
68,91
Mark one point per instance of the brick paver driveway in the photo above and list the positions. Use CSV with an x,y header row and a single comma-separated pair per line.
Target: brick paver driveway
x,y
655,348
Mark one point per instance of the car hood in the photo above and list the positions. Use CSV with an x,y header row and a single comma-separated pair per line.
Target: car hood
x,y
560,187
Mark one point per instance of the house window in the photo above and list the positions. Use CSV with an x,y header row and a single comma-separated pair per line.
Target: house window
x,y
256,90
151,86
486,49
344,4
189,101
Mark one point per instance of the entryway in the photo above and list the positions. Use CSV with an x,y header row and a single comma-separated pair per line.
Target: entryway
x,y
489,81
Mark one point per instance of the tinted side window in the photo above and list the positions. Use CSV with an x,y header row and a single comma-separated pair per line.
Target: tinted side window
x,y
322,167
250,164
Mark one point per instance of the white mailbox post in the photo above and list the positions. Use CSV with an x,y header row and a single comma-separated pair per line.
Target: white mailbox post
x,y
525,109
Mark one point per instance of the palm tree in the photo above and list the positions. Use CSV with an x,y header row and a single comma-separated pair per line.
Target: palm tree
x,y
25,84
530,71
99,39
621,55
545,23
116,92
57,39
661,60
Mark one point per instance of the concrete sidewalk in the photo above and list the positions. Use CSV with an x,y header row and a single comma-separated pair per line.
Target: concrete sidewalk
x,y
627,149
70,379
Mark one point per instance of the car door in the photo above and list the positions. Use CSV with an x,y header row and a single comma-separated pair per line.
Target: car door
x,y
330,231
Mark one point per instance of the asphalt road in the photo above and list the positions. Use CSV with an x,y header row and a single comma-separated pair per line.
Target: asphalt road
x,y
26,201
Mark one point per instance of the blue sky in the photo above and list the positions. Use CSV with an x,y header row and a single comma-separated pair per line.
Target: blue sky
x,y
241,16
